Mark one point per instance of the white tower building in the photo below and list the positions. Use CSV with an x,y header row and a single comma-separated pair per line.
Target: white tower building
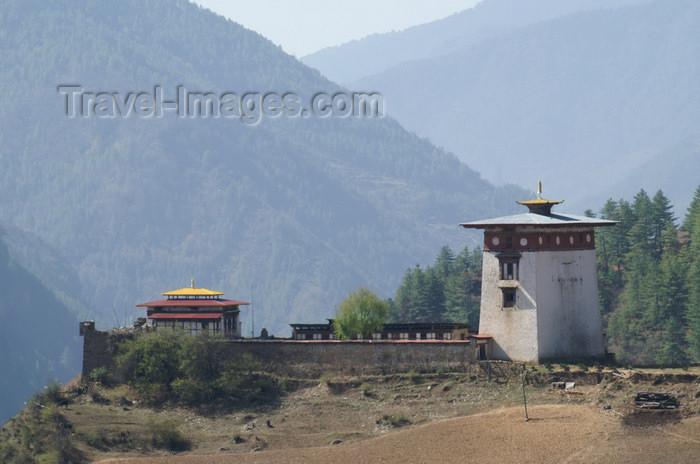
x,y
539,294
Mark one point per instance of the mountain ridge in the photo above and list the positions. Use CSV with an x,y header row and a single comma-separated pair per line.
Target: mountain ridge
x,y
557,101
349,62
289,213
38,334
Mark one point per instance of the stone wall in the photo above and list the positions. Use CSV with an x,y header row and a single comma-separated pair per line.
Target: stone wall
x,y
363,356
99,348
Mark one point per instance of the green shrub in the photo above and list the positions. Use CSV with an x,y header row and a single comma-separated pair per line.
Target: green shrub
x,y
413,376
92,439
10,453
151,358
166,435
101,375
51,416
196,371
191,392
108,439
398,419
97,397
366,389
49,457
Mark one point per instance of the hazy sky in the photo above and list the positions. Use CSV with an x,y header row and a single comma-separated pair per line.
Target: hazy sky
x,y
305,26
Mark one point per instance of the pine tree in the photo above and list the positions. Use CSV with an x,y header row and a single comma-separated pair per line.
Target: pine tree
x,y
651,278
448,291
435,295
692,311
420,297
671,352
641,233
693,213
662,216
403,301
463,289
444,263
673,287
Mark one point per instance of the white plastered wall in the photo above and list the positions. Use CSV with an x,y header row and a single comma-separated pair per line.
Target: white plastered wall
x,y
514,330
556,313
568,311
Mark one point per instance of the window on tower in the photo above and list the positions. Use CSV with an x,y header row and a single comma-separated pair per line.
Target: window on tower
x,y
508,297
509,266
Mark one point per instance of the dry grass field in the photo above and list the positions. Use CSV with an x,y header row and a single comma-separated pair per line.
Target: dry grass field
x,y
412,418
561,433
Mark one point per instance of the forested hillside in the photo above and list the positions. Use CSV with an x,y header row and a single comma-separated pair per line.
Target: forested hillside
x,y
449,290
649,273
579,102
291,212
38,335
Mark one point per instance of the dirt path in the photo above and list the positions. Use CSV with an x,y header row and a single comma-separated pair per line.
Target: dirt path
x,y
555,434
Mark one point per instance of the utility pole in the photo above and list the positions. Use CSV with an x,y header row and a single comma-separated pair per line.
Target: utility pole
x,y
522,380
252,314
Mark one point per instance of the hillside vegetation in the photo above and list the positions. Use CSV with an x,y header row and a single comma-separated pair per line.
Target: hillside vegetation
x,y
291,213
649,273
342,412
38,335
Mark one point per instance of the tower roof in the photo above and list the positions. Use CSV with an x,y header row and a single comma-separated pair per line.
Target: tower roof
x,y
540,214
539,205
535,219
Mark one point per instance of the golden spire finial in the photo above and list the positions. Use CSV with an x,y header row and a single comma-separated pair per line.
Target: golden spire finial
x,y
539,189
192,282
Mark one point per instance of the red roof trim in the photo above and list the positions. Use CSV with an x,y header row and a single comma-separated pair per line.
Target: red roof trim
x,y
192,303
204,316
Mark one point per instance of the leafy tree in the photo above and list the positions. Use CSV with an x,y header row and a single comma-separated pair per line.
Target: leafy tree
x,y
168,365
360,314
151,362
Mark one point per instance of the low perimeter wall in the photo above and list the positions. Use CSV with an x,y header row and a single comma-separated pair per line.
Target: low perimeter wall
x,y
99,349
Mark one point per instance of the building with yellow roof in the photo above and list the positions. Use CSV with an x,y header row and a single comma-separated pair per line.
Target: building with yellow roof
x,y
196,310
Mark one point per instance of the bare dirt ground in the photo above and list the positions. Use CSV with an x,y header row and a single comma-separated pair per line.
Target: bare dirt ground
x,y
554,434
450,417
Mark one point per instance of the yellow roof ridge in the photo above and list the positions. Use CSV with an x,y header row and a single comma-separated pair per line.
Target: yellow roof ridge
x,y
189,291
539,200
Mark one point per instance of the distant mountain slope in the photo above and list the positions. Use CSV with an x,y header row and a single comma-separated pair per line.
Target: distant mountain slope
x,y
292,213
376,53
38,336
578,101
674,170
